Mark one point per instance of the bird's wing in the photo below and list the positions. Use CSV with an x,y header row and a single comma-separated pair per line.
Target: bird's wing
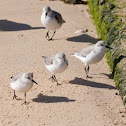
x,y
48,60
57,16
85,51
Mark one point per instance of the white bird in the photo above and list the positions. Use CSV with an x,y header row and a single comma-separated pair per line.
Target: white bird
x,y
55,64
22,82
51,19
91,55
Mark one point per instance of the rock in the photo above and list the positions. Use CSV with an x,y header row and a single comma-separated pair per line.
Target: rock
x,y
86,30
116,93
123,115
79,31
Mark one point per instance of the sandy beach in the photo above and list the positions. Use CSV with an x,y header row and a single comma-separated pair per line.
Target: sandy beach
x,y
78,101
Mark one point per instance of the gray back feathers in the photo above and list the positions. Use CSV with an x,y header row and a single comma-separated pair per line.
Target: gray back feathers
x,y
56,15
48,60
85,51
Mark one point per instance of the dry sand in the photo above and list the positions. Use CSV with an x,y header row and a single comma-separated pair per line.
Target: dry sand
x,y
78,101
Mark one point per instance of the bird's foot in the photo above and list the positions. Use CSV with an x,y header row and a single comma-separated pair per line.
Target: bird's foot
x,y
47,36
88,76
52,78
15,97
25,103
58,84
51,39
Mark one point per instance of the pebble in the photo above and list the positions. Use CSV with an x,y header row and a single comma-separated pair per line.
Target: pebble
x,y
116,93
81,31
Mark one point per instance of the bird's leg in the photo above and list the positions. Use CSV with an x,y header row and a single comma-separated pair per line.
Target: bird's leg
x,y
47,35
56,80
52,78
15,97
52,36
25,99
87,71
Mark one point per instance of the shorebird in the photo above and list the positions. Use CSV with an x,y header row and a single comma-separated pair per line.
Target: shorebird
x,y
91,55
52,20
22,82
55,64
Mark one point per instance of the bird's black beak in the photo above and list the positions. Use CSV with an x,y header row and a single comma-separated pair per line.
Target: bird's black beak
x,y
108,47
34,81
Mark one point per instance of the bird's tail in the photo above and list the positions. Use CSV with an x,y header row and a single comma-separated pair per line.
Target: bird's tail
x,y
63,21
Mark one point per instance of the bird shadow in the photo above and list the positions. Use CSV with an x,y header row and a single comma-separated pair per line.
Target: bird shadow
x,y
6,25
99,75
80,81
51,99
108,75
82,38
63,38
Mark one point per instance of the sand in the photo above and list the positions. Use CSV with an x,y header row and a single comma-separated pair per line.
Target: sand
x,y
77,101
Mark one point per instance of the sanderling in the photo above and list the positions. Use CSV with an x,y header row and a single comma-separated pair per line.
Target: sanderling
x,y
55,64
22,82
52,20
91,54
